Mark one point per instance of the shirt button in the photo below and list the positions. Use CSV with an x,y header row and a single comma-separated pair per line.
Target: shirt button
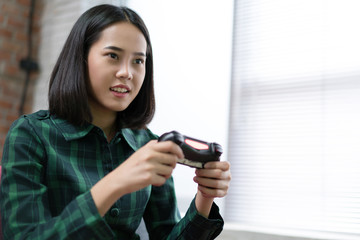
x,y
114,212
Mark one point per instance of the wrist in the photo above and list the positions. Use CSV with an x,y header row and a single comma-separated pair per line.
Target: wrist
x,y
105,193
203,204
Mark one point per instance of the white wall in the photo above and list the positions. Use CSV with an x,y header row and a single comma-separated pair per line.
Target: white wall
x,y
192,54
57,20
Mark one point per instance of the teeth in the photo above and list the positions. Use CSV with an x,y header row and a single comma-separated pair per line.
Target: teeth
x,y
120,90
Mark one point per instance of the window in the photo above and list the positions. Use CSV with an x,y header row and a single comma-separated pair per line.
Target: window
x,y
294,139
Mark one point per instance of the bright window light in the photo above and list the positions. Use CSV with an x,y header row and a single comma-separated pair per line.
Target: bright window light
x,y
295,115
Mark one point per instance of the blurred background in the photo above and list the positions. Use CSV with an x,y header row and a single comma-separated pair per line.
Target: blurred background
x,y
275,82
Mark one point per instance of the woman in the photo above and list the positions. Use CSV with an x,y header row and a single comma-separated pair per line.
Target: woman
x,y
88,168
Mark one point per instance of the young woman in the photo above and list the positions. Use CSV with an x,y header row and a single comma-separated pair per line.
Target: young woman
x,y
88,168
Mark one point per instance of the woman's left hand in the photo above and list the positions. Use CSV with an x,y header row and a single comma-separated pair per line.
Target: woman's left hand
x,y
213,180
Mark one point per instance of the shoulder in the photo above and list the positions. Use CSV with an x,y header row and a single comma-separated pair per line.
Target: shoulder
x,y
39,115
42,125
30,121
26,130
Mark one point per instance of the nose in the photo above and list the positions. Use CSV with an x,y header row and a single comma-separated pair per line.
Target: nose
x,y
124,71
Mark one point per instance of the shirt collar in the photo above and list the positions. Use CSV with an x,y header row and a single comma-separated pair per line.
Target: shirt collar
x,y
135,138
70,131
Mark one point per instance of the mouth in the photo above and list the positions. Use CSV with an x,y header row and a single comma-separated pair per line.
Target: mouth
x,y
119,89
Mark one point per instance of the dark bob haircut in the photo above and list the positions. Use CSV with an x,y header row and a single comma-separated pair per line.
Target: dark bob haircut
x,y
68,96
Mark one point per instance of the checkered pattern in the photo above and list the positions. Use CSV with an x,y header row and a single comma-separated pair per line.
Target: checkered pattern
x,y
49,167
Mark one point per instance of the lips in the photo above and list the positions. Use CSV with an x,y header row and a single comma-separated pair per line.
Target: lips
x,y
120,89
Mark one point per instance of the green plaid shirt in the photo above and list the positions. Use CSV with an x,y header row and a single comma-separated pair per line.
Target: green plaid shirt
x,y
48,168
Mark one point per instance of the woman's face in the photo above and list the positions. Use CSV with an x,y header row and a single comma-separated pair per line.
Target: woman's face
x,y
116,68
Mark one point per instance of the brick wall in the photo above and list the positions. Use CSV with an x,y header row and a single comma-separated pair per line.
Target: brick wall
x,y
14,21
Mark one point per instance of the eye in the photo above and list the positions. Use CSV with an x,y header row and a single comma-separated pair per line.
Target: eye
x,y
139,61
113,55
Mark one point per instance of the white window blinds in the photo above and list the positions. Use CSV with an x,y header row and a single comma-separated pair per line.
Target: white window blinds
x,y
294,139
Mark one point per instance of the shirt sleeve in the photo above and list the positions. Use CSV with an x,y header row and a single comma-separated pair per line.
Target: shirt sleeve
x,y
25,210
163,221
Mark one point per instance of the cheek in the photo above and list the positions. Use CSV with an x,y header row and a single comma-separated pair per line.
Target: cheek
x,y
95,75
94,84
92,66
95,65
139,84
91,81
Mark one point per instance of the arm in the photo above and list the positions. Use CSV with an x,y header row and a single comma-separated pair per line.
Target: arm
x,y
163,221
150,165
25,209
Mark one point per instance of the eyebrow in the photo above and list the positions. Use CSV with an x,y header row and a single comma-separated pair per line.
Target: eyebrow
x,y
122,50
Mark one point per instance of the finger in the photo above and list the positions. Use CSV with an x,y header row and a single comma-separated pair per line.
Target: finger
x,y
223,165
169,147
219,170
158,180
210,173
213,173
212,183
155,173
208,192
162,153
164,169
167,159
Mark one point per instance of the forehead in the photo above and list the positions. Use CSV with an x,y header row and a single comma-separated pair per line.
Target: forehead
x,y
123,35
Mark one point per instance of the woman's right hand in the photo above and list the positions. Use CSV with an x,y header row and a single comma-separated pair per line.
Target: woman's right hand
x,y
152,164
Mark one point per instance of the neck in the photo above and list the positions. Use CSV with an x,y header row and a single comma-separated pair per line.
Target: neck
x,y
106,120
107,125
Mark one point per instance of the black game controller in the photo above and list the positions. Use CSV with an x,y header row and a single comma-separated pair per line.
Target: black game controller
x,y
196,152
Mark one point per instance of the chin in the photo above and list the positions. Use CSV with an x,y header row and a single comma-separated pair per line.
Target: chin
x,y
120,109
